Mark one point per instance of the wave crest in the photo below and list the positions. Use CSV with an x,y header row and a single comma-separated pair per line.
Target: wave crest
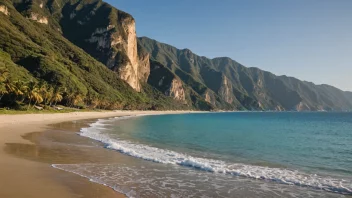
x,y
285,176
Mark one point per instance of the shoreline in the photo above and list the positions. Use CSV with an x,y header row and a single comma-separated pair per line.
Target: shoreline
x,y
35,179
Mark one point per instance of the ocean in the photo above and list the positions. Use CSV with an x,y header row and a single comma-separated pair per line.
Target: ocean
x,y
240,154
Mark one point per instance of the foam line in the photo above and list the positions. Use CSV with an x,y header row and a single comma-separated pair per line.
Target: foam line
x,y
145,152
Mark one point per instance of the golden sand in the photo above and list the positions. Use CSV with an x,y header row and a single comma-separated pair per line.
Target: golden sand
x,y
25,167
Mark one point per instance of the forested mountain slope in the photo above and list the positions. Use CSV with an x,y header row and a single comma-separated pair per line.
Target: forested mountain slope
x,y
249,88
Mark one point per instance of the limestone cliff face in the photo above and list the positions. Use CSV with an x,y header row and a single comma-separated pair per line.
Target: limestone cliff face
x,y
176,90
4,10
210,97
109,35
129,70
40,19
279,108
302,107
167,82
102,38
226,90
122,50
144,67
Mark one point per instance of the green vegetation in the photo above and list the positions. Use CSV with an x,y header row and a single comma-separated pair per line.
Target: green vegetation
x,y
43,69
18,93
71,60
250,88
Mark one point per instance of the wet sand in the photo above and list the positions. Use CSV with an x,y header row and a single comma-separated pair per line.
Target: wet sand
x,y
26,155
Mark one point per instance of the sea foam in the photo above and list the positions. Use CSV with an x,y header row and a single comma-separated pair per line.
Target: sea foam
x,y
291,177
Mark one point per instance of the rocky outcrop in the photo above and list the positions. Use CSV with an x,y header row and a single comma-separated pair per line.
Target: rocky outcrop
x,y
226,91
176,90
210,98
109,36
144,67
103,39
166,81
279,108
129,70
40,19
4,9
302,107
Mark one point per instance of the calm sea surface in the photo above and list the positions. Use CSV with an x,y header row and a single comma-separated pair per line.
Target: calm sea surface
x,y
244,154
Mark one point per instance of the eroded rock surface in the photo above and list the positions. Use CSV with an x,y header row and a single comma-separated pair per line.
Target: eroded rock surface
x,y
40,19
176,90
4,9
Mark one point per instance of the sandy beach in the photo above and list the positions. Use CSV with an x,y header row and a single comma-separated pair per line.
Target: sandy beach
x,y
26,178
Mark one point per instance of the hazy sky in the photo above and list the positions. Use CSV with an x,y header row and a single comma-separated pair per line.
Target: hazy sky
x,y
307,39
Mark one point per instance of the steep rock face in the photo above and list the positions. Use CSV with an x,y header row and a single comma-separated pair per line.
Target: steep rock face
x,y
144,68
219,83
302,107
40,19
57,53
252,88
4,9
226,90
167,82
176,90
144,64
102,38
279,108
209,97
109,35
35,52
129,71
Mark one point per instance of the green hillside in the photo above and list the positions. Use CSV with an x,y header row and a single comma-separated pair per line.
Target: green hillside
x,y
33,51
249,88
85,54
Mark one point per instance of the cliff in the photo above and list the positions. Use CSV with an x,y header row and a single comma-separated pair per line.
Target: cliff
x,y
4,9
166,82
109,35
243,87
37,45
91,49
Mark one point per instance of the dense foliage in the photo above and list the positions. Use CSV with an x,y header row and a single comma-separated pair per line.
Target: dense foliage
x,y
32,52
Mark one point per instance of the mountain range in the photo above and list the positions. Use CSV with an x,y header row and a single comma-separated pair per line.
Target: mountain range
x,y
90,47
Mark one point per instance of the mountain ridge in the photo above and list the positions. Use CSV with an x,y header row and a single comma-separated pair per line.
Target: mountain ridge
x,y
91,48
247,81
36,47
250,67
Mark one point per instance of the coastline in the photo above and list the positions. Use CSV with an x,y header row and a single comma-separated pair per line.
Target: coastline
x,y
35,179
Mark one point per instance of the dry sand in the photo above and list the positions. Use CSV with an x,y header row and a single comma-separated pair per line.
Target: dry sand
x,y
25,178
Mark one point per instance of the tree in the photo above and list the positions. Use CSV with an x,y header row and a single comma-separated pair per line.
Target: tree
x,y
70,97
95,102
33,93
77,99
46,91
4,73
48,95
18,89
57,95
3,90
92,99
3,77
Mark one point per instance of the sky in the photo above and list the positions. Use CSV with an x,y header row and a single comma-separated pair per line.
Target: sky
x,y
307,39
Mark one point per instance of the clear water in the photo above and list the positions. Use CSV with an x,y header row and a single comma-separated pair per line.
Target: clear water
x,y
250,154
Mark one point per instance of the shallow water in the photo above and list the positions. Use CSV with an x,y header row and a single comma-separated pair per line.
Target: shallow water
x,y
225,155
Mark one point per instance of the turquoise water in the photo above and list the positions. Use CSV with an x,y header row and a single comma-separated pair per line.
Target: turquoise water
x,y
292,154
318,142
